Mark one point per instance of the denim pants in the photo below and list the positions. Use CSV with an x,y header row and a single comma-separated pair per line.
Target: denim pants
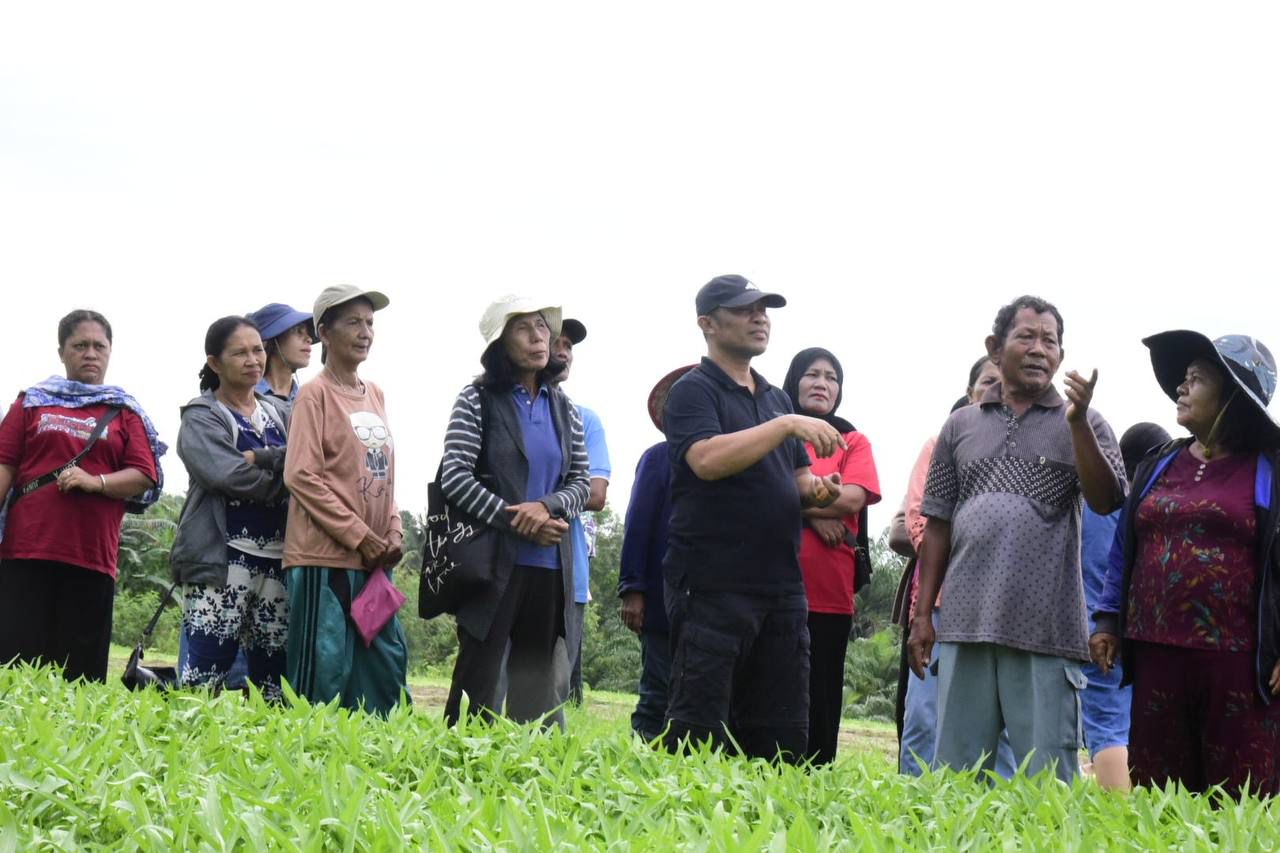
x,y
649,717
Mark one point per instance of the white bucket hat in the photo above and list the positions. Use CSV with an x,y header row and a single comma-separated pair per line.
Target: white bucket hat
x,y
497,314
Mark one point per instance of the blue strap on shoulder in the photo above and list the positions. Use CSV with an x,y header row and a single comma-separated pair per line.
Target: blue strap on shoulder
x,y
1262,483
1155,475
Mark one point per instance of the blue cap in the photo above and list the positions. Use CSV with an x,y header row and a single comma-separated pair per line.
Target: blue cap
x,y
276,318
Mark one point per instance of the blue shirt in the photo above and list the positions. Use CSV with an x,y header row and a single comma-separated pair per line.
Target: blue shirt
x,y
542,449
598,456
264,387
644,537
1096,535
254,528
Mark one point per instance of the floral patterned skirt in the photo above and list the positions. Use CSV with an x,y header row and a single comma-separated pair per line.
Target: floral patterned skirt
x,y
250,613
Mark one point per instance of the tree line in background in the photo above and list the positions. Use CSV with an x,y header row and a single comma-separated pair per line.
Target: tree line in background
x,y
611,653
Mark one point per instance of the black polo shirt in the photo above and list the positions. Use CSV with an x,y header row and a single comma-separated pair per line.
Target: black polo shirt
x,y
741,533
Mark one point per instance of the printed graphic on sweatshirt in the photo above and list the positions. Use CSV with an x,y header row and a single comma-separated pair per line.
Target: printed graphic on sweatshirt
x,y
376,438
80,428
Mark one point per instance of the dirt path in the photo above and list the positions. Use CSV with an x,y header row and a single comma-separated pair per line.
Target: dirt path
x,y
852,736
431,698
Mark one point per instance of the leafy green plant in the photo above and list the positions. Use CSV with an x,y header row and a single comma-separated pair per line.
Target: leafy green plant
x,y
142,561
871,676
132,612
86,766
874,604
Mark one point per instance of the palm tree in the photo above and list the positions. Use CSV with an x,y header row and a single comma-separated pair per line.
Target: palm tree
x,y
415,539
145,543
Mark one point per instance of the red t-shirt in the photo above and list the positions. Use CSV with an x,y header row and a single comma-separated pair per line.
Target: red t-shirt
x,y
77,528
828,572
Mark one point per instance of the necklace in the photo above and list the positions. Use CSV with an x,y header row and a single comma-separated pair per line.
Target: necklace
x,y
358,388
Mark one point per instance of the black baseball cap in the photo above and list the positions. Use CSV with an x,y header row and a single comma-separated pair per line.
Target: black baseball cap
x,y
574,331
733,291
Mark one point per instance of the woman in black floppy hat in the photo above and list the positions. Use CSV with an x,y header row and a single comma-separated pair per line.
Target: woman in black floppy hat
x,y
1192,600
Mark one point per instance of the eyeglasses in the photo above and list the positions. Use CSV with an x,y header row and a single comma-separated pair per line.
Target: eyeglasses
x,y
365,433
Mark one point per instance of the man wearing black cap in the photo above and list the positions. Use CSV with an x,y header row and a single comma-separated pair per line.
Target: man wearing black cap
x,y
740,478
582,528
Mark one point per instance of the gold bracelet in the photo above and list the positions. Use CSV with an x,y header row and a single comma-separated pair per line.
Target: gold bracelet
x,y
103,479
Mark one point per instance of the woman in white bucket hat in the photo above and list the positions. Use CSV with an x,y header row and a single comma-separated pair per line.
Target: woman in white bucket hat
x,y
515,460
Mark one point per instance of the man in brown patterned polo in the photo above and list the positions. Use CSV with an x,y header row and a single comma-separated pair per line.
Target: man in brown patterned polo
x,y
1003,506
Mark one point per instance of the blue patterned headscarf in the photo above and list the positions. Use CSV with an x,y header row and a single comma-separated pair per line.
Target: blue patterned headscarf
x,y
69,394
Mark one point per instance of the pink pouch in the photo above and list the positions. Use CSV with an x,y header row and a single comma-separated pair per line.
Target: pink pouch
x,y
376,603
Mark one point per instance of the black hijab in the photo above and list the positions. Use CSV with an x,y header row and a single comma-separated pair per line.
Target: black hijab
x,y
802,362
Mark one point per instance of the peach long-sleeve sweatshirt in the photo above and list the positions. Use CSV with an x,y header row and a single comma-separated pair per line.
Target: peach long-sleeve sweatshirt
x,y
340,470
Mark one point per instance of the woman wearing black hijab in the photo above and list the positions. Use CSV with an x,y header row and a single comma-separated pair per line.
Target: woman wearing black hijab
x,y
814,384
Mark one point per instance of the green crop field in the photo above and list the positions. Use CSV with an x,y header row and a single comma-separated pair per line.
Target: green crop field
x,y
89,766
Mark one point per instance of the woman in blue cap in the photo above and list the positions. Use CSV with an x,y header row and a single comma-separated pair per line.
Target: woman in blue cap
x,y
1192,598
288,335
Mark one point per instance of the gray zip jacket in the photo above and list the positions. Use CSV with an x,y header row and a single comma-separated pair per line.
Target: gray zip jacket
x,y
217,471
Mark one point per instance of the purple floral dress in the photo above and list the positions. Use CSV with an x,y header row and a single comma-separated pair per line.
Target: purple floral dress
x,y
1191,615
1196,572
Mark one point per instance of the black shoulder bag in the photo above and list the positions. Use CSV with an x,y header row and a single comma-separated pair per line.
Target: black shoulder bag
x,y
861,546
136,676
52,476
458,556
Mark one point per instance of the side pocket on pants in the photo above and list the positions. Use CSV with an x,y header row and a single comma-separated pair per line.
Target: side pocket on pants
x,y
702,675
1073,719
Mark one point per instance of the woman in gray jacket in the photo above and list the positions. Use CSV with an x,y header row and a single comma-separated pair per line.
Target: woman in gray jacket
x,y
231,533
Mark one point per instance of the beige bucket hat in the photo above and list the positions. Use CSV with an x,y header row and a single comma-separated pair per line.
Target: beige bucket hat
x,y
504,308
340,293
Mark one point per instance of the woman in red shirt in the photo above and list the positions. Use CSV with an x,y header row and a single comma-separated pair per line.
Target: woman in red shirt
x,y
814,384
62,530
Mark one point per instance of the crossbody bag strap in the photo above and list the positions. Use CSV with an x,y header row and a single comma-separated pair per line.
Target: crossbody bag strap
x,y
164,602
50,477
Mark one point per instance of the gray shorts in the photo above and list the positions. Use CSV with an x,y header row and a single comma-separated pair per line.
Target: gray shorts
x,y
983,688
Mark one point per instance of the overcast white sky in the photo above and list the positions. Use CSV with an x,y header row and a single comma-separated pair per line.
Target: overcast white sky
x,y
897,170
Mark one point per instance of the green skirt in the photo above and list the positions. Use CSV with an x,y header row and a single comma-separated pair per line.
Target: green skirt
x,y
326,656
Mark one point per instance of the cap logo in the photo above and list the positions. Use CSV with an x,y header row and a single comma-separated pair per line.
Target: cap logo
x,y
750,286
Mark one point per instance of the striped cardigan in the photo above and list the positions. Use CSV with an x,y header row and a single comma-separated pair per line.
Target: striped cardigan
x,y
462,440
502,480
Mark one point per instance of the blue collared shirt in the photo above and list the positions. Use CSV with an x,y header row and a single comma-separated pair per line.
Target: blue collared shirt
x,y
542,449
264,387
601,469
